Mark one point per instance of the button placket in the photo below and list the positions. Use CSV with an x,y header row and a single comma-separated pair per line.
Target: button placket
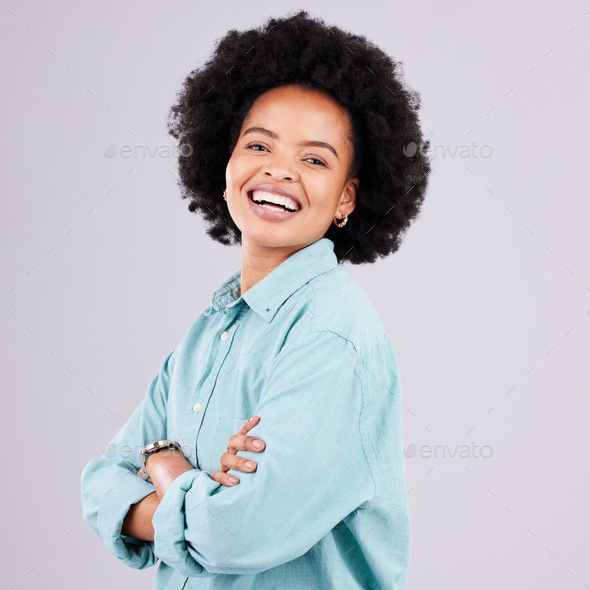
x,y
195,416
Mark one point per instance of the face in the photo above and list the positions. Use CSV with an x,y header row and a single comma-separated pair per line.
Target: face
x,y
296,140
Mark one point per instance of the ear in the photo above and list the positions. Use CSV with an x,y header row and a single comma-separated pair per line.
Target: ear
x,y
348,198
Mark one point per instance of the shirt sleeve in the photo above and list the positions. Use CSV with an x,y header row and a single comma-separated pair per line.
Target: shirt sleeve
x,y
312,473
109,483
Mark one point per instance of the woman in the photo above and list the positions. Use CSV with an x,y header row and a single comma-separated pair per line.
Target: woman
x,y
307,129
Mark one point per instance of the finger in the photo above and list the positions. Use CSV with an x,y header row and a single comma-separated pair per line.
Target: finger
x,y
248,424
242,442
231,461
224,478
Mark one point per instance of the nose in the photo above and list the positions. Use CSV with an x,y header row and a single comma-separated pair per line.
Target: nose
x,y
279,169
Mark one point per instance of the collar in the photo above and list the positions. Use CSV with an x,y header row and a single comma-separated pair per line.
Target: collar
x,y
267,296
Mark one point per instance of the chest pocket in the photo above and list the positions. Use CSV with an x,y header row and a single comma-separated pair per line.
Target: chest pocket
x,y
226,427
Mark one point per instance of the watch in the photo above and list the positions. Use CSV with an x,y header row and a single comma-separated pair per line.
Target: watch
x,y
151,449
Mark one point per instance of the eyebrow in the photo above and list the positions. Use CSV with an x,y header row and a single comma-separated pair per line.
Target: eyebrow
x,y
273,135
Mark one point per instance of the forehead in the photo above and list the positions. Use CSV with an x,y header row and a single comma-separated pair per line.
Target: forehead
x,y
296,108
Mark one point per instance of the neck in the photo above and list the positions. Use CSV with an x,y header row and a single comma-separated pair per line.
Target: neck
x,y
259,261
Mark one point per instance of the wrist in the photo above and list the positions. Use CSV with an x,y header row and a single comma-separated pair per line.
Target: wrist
x,y
151,449
164,467
168,459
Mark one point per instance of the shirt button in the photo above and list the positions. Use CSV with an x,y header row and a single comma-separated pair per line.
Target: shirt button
x,y
224,335
197,407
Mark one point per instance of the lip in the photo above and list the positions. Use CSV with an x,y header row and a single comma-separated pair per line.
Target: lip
x,y
271,188
271,214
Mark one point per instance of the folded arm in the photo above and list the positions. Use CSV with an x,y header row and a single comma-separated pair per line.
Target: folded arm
x,y
163,468
311,475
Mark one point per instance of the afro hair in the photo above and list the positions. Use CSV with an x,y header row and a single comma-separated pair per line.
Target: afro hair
x,y
389,154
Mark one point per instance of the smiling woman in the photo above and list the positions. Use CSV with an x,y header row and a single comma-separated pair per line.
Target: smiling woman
x,y
375,112
290,165
296,133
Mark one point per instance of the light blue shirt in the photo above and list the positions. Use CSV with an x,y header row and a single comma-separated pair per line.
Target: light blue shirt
x,y
327,506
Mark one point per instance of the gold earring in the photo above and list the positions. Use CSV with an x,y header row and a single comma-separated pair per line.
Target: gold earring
x,y
344,220
225,194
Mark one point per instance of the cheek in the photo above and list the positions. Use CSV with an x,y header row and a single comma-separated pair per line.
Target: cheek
x,y
233,166
239,169
325,198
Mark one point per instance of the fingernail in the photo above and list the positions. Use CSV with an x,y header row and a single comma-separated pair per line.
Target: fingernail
x,y
233,479
249,464
257,444
250,419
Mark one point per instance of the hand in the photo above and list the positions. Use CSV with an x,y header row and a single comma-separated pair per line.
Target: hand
x,y
238,442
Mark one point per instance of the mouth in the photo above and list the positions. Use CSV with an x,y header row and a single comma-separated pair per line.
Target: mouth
x,y
272,207
273,202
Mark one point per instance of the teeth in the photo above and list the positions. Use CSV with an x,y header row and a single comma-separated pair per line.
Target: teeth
x,y
259,196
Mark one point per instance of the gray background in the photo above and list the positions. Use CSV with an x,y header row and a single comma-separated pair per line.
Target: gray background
x,y
486,303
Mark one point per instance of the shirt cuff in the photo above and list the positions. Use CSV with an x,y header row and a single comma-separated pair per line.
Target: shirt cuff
x,y
169,520
114,506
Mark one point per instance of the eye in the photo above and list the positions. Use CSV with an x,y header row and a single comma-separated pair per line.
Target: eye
x,y
320,162
255,145
315,161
